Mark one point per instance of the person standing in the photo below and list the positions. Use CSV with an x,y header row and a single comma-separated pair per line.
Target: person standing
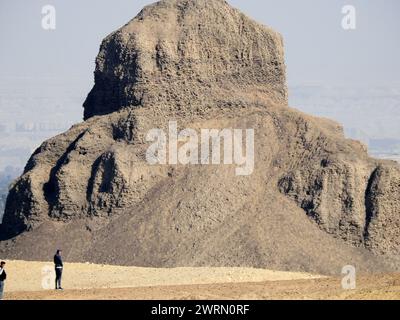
x,y
58,264
3,277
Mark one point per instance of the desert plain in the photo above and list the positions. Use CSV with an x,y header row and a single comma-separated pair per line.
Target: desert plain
x,y
29,280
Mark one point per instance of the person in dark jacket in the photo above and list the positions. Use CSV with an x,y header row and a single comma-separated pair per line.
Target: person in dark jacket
x,y
3,277
58,264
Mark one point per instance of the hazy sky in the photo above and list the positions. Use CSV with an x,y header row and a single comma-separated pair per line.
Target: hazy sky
x,y
318,50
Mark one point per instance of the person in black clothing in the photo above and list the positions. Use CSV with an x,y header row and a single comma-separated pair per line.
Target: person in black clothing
x,y
58,264
3,277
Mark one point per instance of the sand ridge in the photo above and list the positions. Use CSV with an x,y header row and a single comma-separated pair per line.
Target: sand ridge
x,y
37,276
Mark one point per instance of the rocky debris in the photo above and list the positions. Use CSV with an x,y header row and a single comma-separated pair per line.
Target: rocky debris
x,y
315,201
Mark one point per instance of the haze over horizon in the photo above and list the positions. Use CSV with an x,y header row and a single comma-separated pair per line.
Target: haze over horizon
x,y
52,71
317,49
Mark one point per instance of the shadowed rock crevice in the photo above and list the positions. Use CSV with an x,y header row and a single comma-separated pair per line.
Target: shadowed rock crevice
x,y
51,188
369,202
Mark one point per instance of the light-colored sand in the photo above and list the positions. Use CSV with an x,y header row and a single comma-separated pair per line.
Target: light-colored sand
x,y
34,276
89,281
385,288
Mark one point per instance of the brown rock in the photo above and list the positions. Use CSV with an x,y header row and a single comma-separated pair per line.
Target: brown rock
x,y
315,201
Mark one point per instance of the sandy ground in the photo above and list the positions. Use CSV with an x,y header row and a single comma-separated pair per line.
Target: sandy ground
x,y
34,280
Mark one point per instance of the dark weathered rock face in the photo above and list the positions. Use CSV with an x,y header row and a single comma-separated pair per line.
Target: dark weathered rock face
x,y
383,211
315,201
187,55
345,200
